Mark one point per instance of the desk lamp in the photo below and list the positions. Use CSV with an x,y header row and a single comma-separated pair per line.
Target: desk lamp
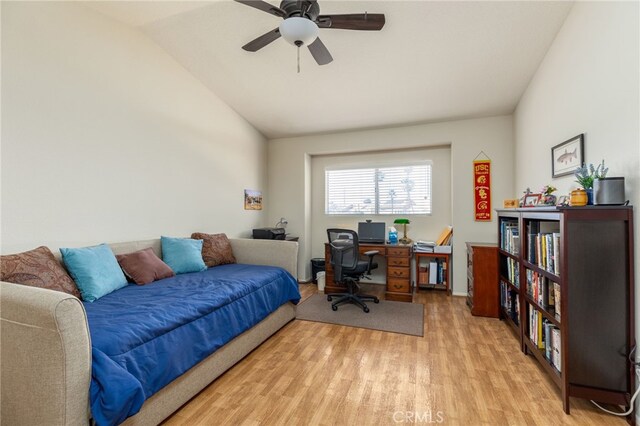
x,y
403,222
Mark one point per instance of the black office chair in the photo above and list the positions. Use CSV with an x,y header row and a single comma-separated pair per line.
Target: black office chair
x,y
348,268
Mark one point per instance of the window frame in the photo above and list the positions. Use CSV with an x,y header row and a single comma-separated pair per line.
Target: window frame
x,y
377,166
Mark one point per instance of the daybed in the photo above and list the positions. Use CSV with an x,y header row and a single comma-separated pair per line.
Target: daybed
x,y
46,351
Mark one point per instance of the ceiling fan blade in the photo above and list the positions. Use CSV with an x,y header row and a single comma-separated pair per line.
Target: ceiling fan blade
x,y
354,21
319,52
262,41
265,7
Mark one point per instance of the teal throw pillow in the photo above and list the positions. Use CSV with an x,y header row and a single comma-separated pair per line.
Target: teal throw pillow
x,y
95,270
182,254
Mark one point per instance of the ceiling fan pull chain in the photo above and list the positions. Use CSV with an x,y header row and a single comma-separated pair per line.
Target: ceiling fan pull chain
x,y
298,59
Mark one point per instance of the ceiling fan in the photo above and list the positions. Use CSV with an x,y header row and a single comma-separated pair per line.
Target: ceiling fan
x,y
301,21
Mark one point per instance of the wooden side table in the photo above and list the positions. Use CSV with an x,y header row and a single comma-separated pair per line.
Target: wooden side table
x,y
482,279
446,269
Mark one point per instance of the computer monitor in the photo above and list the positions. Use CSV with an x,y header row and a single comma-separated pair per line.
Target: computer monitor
x,y
371,232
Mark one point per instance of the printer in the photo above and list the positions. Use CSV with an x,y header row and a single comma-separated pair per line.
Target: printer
x,y
269,234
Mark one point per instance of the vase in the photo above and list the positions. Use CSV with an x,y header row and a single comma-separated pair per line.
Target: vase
x,y
550,200
578,198
589,196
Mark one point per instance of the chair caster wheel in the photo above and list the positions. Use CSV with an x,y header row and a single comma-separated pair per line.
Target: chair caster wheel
x,y
329,298
366,310
376,300
334,308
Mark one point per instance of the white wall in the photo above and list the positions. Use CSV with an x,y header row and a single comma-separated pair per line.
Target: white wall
x,y
106,138
290,184
588,83
421,226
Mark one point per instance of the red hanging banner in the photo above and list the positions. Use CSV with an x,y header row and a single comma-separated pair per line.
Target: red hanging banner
x,y
482,190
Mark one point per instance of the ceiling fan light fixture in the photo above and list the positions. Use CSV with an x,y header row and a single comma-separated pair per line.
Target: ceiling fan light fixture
x,y
298,31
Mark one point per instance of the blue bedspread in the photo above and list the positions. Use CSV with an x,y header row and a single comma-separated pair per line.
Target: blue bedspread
x,y
143,337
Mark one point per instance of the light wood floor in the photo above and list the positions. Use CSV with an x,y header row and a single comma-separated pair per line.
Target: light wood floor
x,y
464,371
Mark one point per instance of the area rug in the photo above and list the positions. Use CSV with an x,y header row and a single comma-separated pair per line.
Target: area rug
x,y
394,317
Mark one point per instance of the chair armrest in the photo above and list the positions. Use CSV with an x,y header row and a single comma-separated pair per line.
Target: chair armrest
x,y
46,357
370,254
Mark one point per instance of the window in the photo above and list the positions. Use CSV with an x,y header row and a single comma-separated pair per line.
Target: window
x,y
403,189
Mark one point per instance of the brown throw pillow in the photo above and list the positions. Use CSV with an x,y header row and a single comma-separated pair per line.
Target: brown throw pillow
x,y
37,268
144,267
216,249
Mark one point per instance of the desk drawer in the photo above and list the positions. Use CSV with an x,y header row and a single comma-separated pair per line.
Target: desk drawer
x,y
396,272
398,285
363,250
398,261
398,251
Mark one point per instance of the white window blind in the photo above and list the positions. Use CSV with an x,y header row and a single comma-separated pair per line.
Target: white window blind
x,y
403,189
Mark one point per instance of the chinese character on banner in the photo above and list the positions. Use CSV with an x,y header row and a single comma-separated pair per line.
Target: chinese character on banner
x,y
482,190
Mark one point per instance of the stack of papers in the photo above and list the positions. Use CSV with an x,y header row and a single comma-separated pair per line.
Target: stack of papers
x,y
424,246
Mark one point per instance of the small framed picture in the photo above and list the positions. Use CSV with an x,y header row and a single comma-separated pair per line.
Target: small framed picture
x,y
252,199
563,200
531,200
567,156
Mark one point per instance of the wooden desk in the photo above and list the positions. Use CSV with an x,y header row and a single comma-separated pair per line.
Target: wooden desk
x,y
446,282
398,258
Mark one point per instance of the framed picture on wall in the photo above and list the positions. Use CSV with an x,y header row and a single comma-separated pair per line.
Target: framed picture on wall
x,y
252,199
567,156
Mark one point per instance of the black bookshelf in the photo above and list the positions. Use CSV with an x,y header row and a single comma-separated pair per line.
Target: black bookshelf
x,y
582,256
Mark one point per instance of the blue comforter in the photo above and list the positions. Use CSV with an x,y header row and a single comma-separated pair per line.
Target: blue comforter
x,y
143,337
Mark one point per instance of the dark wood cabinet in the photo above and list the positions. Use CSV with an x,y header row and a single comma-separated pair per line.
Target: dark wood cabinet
x,y
482,279
566,287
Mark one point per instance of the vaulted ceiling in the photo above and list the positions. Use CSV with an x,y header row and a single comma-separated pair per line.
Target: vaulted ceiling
x,y
432,61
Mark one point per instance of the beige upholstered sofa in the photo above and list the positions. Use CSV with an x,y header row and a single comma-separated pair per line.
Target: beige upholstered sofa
x,y
45,356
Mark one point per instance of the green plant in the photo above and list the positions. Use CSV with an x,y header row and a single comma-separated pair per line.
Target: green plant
x,y
548,190
586,175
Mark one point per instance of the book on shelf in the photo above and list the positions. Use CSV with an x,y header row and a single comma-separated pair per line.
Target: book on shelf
x,y
556,253
539,334
510,237
441,270
543,246
433,272
556,347
548,347
556,299
513,272
510,302
543,291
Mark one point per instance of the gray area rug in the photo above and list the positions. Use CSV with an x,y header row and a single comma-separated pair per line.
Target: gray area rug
x,y
394,317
